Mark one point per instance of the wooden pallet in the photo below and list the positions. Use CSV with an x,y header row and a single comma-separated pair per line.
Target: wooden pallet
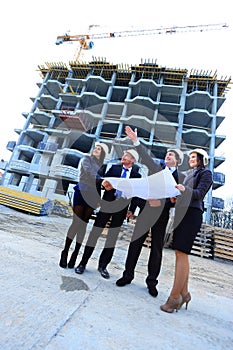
x,y
203,244
204,251
211,242
223,243
223,253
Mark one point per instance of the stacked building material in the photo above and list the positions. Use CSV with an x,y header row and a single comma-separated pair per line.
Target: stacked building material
x,y
24,201
204,242
223,243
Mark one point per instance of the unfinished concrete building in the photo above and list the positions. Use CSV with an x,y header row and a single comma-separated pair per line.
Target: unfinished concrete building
x,y
80,103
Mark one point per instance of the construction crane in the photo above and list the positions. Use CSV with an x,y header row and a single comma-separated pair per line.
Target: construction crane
x,y
86,41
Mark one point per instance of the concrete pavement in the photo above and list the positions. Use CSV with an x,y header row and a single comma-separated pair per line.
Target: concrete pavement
x,y
45,307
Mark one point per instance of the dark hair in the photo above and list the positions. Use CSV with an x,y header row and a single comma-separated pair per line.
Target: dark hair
x,y
100,161
176,155
102,156
200,160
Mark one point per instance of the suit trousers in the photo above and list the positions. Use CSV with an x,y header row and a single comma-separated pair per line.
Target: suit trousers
x,y
115,221
156,219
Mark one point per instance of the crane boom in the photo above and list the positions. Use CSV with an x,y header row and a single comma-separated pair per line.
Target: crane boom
x,y
125,33
86,40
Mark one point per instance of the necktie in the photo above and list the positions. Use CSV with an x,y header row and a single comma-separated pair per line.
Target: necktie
x,y
123,175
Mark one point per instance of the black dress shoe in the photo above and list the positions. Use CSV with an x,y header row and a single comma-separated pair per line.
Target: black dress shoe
x,y
79,269
122,282
104,273
152,290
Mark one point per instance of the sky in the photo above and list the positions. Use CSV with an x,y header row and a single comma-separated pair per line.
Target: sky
x,y
29,30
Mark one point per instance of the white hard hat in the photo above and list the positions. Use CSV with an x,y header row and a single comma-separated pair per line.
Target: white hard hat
x,y
203,153
103,146
133,153
179,153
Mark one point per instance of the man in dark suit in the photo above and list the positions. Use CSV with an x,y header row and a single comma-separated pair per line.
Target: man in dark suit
x,y
154,216
114,208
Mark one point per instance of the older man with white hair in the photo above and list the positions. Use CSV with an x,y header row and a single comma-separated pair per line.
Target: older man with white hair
x,y
113,208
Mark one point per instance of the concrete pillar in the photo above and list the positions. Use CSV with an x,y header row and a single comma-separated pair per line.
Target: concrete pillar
x,y
181,117
212,150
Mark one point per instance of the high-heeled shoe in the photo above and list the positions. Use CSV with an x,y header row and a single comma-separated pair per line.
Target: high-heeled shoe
x,y
172,304
185,300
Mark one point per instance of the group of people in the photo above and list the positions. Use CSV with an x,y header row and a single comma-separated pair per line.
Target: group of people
x,y
153,215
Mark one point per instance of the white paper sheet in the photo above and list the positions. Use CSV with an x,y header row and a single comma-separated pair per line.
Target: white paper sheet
x,y
156,186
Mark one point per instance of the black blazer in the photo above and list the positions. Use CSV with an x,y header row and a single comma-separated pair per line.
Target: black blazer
x,y
115,171
153,167
197,183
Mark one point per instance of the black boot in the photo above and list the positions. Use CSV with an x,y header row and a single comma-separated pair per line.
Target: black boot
x,y
63,260
64,253
86,256
74,255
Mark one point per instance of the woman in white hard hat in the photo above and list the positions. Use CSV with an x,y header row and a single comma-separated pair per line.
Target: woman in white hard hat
x,y
85,201
187,224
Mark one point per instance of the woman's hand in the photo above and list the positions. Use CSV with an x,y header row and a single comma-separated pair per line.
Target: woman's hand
x,y
180,187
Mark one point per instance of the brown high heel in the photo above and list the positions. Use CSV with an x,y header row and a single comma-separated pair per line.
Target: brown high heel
x,y
185,300
172,304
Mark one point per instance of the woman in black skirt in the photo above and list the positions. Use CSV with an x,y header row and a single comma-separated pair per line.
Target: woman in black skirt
x,y
187,224
86,199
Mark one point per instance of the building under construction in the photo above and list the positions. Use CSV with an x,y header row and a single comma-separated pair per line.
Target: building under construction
x,y
80,103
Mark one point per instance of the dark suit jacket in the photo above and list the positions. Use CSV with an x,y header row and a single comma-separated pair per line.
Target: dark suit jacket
x,y
153,167
179,178
115,171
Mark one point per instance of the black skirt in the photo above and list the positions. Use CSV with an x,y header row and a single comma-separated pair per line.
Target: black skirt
x,y
186,227
86,198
